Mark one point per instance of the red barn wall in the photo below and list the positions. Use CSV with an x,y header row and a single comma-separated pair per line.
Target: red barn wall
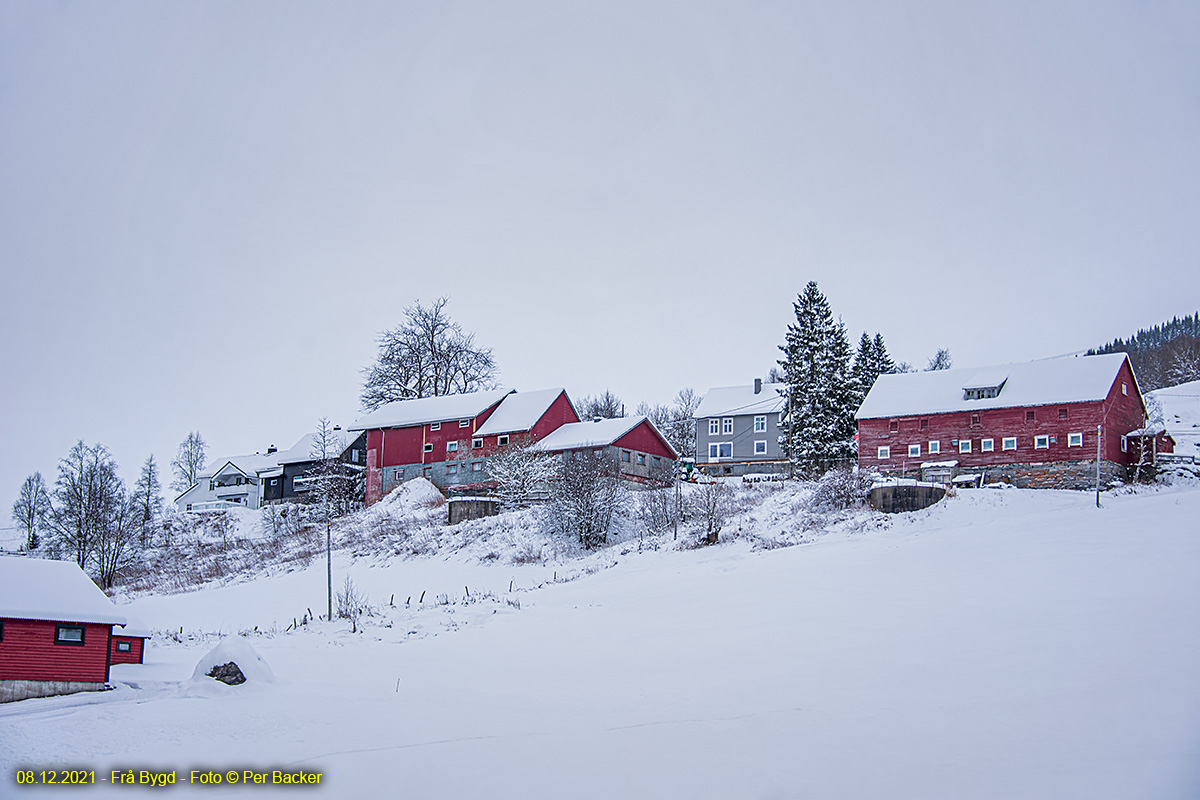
x,y
135,654
642,438
28,652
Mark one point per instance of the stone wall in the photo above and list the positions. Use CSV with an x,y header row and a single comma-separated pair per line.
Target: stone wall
x,y
1055,474
11,691
464,508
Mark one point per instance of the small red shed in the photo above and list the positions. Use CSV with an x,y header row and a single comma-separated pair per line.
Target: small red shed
x,y
55,629
129,644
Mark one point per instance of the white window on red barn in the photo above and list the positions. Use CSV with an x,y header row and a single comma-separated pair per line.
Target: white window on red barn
x,y
935,447
1009,442
437,426
987,445
1074,440
914,450
885,452
1041,442
964,445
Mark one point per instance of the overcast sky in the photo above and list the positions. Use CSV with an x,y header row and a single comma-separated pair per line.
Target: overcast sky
x,y
209,210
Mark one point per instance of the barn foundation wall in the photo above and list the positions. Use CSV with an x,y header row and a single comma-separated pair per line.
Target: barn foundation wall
x,y
12,691
1054,474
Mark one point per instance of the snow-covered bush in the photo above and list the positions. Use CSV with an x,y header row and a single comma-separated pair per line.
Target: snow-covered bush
x,y
840,489
586,498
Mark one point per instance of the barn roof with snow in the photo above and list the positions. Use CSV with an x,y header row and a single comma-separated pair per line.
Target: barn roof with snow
x,y
1069,379
36,588
519,411
730,401
600,433
405,413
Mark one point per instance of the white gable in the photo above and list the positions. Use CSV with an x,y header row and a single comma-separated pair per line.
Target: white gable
x,y
302,450
36,588
732,401
519,411
404,413
1070,379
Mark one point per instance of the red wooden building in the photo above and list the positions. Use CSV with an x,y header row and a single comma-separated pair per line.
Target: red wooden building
x,y
1041,423
449,439
129,645
55,629
641,453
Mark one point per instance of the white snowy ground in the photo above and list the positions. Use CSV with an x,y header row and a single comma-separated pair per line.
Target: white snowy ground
x,y
1005,644
1181,412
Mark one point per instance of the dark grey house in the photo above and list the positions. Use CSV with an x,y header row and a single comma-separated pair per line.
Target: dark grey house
x,y
289,481
738,430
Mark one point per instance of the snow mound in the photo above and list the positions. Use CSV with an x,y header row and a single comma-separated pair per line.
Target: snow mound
x,y
240,652
414,495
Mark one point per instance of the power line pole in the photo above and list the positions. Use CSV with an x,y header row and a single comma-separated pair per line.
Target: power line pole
x,y
1097,466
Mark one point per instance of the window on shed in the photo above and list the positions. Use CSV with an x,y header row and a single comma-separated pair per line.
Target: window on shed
x,y
69,634
124,647
885,452
714,427
914,450
760,424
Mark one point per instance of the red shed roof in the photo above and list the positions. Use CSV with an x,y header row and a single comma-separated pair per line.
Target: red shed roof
x,y
36,588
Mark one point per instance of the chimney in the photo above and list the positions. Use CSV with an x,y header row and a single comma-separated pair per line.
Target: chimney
x,y
758,385
271,449
337,427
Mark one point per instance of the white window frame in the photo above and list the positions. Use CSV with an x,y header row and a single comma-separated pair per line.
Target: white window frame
x,y
1041,442
451,447
1005,443
1125,388
428,448
1075,439
435,426
476,466
464,423
964,445
935,446
1124,444
727,426
477,443
884,452
760,447
715,447
714,427
452,469
641,459
502,440
914,450
987,445
124,647
760,423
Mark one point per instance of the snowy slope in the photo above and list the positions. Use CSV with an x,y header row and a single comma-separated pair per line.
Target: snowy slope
x,y
1181,413
1003,644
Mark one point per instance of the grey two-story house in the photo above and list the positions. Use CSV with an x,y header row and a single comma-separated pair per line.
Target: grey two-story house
x,y
738,429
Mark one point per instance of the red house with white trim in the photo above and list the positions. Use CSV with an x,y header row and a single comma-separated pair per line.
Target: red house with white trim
x,y
449,439
1040,423
55,629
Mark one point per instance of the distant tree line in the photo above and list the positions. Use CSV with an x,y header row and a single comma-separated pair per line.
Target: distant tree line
x,y
1165,355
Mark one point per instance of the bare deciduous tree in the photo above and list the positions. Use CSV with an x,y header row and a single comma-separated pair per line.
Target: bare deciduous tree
x,y
147,501
189,461
31,508
602,406
586,496
712,503
521,473
428,355
940,360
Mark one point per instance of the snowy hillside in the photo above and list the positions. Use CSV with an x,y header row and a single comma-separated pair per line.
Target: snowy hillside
x,y
1003,644
1181,414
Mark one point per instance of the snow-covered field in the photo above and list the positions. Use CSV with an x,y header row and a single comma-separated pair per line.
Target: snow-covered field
x,y
1003,644
1181,413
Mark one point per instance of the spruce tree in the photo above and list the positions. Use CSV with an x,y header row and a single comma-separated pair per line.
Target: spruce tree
x,y
821,395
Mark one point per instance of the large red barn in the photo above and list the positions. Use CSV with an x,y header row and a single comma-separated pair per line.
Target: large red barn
x,y
1040,423
449,439
55,629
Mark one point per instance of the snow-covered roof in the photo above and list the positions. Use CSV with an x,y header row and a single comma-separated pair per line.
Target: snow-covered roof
x,y
935,464
36,588
1069,379
443,408
728,401
1181,413
519,411
248,465
575,435
303,450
